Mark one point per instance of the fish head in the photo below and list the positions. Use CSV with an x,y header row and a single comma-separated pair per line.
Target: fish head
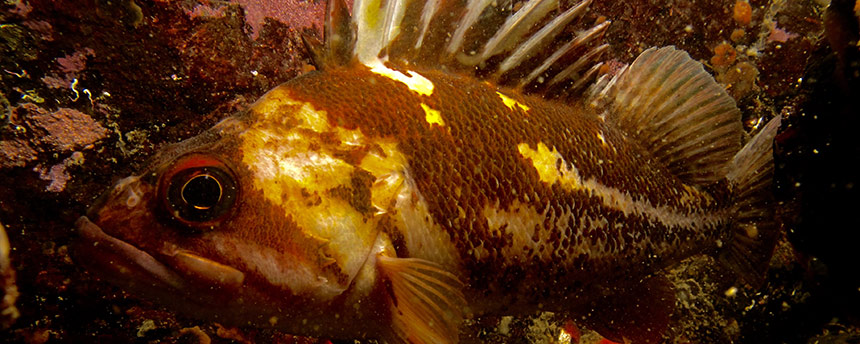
x,y
257,221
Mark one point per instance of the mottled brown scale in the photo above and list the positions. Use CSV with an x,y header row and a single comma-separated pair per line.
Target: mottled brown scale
x,y
472,162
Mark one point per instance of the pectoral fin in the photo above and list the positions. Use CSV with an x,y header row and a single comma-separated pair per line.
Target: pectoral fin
x,y
426,301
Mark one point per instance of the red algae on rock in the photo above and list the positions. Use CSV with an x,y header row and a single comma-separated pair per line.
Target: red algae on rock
x,y
65,128
40,130
300,14
16,153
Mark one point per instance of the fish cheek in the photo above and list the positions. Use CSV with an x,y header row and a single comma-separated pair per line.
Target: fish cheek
x,y
264,239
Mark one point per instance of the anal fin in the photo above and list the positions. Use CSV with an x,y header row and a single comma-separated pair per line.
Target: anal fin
x,y
639,314
426,301
754,229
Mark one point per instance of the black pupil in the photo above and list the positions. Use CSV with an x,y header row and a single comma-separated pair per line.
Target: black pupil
x,y
202,192
199,195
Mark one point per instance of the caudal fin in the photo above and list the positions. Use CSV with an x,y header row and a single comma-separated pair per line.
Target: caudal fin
x,y
754,230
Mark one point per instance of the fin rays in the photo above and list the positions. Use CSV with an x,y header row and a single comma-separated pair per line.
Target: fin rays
x,y
540,38
430,8
675,109
427,302
512,31
523,49
754,231
474,8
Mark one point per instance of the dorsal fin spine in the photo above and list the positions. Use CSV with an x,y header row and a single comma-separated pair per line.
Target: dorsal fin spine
x,y
473,12
339,35
377,24
586,77
427,14
501,46
394,11
580,40
515,27
591,55
539,39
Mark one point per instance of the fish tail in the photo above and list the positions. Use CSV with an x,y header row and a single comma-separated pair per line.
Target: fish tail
x,y
754,229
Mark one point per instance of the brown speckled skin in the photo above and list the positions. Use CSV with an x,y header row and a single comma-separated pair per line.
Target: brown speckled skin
x,y
473,161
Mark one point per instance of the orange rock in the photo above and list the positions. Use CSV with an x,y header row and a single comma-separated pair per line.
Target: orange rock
x,y
743,12
737,35
724,56
741,79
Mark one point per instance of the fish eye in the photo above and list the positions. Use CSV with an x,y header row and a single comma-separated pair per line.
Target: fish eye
x,y
202,192
198,191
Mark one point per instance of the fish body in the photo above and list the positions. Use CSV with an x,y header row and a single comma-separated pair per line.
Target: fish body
x,y
416,179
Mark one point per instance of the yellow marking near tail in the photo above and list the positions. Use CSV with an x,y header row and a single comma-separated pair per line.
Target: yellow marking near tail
x,y
432,116
545,161
552,168
510,102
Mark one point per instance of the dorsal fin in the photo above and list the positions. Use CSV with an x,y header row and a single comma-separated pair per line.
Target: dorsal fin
x,y
339,38
523,48
675,109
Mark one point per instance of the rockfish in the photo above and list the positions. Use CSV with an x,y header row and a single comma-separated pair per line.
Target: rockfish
x,y
446,160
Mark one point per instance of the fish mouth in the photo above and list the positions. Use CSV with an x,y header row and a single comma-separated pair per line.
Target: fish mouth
x,y
120,260
132,268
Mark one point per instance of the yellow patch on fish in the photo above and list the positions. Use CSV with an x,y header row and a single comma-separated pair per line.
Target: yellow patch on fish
x,y
421,233
602,139
511,103
274,104
415,82
546,162
432,116
284,161
297,169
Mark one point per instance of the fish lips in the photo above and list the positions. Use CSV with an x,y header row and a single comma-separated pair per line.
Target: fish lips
x,y
192,277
